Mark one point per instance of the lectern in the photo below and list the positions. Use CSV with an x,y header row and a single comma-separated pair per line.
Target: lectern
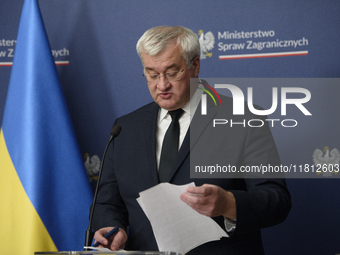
x,y
107,253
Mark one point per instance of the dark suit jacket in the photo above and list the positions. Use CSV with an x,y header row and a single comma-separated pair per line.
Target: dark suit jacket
x,y
130,167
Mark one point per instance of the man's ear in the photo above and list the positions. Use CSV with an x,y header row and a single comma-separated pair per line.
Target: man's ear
x,y
196,66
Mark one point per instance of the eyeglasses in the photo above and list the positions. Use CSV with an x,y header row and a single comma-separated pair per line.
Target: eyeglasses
x,y
152,78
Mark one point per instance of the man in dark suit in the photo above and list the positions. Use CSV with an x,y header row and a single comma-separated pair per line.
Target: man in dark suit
x,y
240,205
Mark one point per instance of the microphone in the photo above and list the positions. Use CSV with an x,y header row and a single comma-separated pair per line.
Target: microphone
x,y
89,233
115,132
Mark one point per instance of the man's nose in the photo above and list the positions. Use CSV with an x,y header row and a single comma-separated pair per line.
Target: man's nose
x,y
163,83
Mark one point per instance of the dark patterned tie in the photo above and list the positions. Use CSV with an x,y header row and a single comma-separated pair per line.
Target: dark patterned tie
x,y
170,146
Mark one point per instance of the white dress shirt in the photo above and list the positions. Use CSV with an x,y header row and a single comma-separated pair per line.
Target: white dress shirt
x,y
164,121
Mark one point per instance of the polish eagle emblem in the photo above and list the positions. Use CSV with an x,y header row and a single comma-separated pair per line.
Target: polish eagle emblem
x,y
207,41
329,159
92,166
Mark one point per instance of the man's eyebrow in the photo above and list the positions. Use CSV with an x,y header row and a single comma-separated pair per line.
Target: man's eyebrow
x,y
149,69
168,67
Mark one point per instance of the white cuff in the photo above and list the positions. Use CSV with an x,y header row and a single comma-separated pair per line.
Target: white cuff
x,y
230,225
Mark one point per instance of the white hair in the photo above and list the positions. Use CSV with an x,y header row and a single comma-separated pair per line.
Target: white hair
x,y
156,39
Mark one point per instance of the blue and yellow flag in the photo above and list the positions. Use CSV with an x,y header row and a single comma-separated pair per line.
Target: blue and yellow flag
x,y
44,193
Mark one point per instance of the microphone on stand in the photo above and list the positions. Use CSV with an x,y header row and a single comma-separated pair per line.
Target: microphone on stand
x,y
89,233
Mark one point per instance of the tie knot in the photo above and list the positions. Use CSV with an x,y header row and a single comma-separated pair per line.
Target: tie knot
x,y
175,115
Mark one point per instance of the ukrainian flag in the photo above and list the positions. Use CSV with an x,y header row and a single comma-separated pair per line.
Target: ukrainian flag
x,y
45,193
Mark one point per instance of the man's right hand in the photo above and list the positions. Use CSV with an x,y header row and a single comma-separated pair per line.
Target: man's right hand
x,y
113,243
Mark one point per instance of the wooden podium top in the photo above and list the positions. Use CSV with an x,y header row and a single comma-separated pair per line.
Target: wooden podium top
x,y
108,253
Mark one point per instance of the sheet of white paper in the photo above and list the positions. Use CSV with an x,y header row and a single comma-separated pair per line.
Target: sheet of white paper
x,y
97,248
105,250
176,226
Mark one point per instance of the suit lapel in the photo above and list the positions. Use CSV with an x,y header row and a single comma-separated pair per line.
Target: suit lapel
x,y
200,122
150,127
